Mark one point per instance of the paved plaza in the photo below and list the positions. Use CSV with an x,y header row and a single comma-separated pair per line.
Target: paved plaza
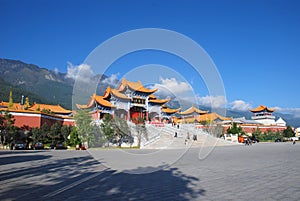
x,y
264,171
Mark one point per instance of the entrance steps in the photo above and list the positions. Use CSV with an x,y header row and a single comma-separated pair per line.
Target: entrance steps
x,y
166,139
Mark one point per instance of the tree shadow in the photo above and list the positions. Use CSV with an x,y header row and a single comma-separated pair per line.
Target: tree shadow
x,y
13,152
83,178
21,158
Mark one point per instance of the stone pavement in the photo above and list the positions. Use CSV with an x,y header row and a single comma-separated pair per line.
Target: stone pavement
x,y
264,171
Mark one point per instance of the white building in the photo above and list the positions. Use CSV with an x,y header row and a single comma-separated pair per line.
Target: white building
x,y
297,131
280,122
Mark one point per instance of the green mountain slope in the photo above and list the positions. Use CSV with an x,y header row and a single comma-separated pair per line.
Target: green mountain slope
x,y
50,86
17,93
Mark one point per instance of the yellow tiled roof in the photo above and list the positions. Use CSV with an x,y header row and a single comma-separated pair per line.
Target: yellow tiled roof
x,y
99,99
169,110
152,96
262,108
52,108
16,106
82,106
136,86
116,93
192,110
102,101
160,101
212,117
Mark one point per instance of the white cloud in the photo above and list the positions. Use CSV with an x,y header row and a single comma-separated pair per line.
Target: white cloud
x,y
171,85
112,80
293,111
213,101
83,72
56,71
240,105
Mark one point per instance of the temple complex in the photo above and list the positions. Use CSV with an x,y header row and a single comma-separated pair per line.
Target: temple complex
x,y
134,102
131,101
262,119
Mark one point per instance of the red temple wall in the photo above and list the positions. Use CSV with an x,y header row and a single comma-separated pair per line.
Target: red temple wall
x,y
31,121
37,120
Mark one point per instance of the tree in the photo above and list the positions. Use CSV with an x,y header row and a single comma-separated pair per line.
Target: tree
x,y
107,127
74,139
10,101
7,128
54,131
141,130
65,132
257,134
235,129
83,122
121,129
45,129
288,132
2,134
36,134
27,104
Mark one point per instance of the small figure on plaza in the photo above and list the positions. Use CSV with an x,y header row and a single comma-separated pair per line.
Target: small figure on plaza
x,y
195,137
187,135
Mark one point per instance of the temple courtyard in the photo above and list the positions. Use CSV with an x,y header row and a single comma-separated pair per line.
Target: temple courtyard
x,y
263,171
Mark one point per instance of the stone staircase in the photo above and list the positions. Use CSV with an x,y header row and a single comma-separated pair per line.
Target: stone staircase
x,y
166,139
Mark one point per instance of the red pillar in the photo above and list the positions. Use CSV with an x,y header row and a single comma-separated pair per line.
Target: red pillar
x,y
147,116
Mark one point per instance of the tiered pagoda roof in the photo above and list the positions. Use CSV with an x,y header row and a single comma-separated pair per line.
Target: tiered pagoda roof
x,y
109,91
154,99
135,86
95,98
192,110
169,111
53,108
262,108
211,117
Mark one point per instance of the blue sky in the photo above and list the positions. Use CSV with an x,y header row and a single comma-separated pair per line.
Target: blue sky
x,y
254,44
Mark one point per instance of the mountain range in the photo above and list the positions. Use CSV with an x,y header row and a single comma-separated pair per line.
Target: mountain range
x,y
45,86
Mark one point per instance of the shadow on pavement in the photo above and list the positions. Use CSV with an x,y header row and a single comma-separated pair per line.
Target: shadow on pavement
x,y
21,158
83,178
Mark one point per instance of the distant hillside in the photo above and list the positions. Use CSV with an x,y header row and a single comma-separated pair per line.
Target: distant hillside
x,y
50,86
41,83
17,93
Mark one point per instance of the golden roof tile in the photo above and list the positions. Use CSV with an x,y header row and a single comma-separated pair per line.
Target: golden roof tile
x,y
192,110
115,92
211,117
159,101
262,108
52,108
169,110
136,86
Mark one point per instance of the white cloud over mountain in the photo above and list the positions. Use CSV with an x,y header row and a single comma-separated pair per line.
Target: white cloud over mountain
x,y
111,80
82,72
240,105
212,101
293,111
173,86
56,71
